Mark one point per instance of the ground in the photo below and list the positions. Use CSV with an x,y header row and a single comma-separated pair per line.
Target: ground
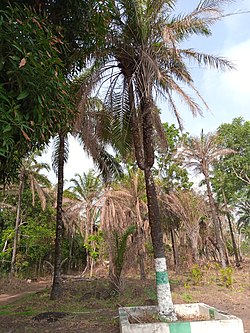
x,y
89,306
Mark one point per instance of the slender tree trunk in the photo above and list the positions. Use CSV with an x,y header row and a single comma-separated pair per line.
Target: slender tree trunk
x,y
219,241
175,252
57,281
17,225
71,242
141,254
237,259
223,239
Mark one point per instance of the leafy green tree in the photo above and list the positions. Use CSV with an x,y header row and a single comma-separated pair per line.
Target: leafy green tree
x,y
33,90
169,171
29,171
233,171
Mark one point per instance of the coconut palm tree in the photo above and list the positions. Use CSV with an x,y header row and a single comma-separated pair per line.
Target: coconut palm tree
x,y
142,59
200,153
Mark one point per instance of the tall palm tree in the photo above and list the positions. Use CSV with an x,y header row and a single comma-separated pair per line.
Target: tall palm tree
x,y
60,156
200,153
142,59
86,126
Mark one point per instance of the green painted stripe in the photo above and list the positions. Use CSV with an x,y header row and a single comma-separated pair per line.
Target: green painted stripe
x,y
162,278
179,327
212,313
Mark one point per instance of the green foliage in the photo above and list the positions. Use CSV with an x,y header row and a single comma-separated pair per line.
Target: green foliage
x,y
150,292
34,94
196,274
187,297
170,172
93,244
231,172
121,245
226,276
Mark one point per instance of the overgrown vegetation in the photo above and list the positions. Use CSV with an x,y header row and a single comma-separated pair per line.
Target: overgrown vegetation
x,y
124,218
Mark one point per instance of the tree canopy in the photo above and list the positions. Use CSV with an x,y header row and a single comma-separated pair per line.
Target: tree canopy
x,y
34,91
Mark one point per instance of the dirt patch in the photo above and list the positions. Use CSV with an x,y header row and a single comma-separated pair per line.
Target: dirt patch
x,y
11,291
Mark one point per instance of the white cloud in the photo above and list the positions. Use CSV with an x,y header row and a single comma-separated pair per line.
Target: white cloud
x,y
228,93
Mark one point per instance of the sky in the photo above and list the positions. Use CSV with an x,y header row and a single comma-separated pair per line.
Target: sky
x,y
226,93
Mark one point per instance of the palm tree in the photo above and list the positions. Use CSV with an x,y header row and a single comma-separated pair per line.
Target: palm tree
x,y
30,170
88,191
200,153
190,209
142,58
60,156
86,126
124,209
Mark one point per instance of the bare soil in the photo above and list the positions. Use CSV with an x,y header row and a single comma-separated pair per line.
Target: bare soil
x,y
90,306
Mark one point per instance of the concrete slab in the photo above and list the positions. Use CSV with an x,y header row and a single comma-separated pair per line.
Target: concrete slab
x,y
214,321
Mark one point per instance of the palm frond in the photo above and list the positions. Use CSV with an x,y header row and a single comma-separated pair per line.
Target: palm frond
x,y
56,152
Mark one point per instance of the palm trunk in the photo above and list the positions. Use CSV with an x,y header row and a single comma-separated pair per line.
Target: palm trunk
x,y
164,297
57,281
141,255
166,308
17,225
142,130
219,241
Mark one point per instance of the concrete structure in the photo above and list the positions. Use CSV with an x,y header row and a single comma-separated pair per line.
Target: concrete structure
x,y
213,320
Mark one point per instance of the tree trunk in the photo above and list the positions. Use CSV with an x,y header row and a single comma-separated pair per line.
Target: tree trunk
x,y
175,251
166,308
142,131
219,241
141,254
57,281
17,225
237,259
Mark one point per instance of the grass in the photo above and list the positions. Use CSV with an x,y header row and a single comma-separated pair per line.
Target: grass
x,y
92,308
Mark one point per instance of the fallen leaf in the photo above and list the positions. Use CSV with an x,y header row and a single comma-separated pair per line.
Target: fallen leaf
x,y
22,63
25,135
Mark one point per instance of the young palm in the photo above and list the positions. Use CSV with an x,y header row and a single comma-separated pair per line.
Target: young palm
x,y
142,59
88,191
